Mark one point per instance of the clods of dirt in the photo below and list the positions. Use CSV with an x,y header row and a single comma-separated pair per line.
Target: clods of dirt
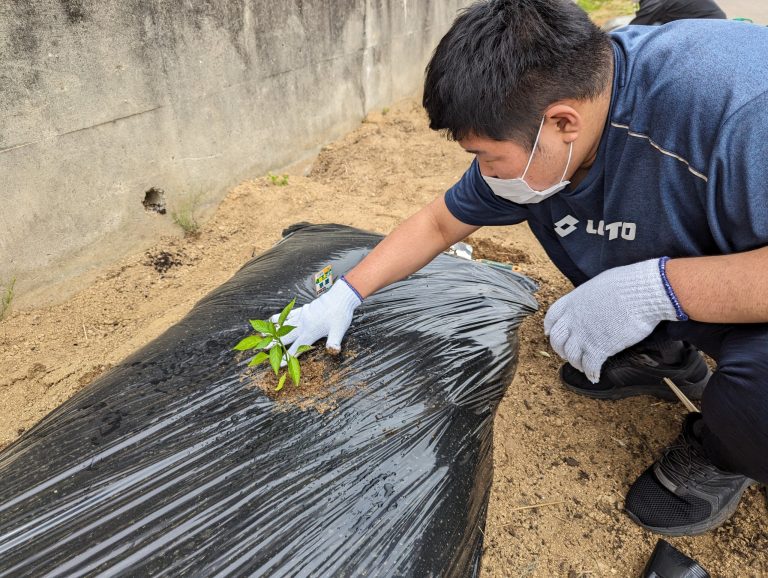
x,y
162,261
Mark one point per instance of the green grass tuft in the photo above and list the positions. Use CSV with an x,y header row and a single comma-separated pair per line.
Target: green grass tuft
x,y
185,216
278,180
603,10
6,297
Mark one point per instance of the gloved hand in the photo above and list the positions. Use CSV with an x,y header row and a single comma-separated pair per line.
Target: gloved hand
x,y
328,315
607,314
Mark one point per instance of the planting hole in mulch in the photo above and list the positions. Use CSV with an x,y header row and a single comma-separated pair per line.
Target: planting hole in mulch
x,y
321,386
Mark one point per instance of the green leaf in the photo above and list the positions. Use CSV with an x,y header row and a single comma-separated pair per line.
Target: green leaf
x,y
285,312
248,343
285,330
275,355
260,325
281,382
293,369
271,329
302,349
264,342
259,358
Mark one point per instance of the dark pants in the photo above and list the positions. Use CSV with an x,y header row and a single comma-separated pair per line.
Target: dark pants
x,y
735,402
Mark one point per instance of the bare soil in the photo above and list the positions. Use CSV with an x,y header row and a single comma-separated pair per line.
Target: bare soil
x,y
573,458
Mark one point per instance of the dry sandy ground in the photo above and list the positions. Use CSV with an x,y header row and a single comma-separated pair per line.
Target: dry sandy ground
x,y
551,447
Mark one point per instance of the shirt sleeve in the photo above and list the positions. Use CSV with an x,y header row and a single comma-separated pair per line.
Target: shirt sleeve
x,y
737,186
472,202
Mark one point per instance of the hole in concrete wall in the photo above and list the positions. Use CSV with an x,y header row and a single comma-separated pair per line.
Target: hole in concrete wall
x,y
154,200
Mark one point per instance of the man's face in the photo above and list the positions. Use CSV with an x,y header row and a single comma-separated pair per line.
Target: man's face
x,y
507,159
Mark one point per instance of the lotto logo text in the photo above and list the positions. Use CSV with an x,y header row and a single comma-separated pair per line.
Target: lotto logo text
x,y
618,229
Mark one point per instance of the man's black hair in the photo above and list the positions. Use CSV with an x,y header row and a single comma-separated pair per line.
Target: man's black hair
x,y
503,62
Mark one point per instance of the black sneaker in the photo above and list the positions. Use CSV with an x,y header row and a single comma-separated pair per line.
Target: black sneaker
x,y
640,370
683,493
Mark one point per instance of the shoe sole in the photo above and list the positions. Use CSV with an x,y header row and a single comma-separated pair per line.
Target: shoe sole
x,y
700,527
692,390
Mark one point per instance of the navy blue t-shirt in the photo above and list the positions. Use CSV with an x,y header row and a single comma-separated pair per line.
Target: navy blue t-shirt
x,y
682,167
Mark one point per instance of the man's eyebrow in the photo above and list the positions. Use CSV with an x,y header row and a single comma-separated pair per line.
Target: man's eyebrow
x,y
474,152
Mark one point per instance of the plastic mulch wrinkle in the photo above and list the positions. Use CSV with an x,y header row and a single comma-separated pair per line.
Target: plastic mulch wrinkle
x,y
169,465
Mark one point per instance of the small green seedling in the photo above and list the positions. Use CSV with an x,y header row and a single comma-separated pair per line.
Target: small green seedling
x,y
385,110
269,344
185,216
278,180
7,298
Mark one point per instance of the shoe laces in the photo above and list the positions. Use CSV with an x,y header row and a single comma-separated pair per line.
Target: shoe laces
x,y
683,462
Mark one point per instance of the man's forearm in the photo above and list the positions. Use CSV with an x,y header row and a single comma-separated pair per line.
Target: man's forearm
x,y
723,289
408,248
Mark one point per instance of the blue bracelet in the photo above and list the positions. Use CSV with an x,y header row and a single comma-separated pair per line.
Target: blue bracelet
x,y
353,289
681,316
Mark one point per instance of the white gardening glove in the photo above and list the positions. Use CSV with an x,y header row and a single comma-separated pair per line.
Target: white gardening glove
x,y
329,315
609,313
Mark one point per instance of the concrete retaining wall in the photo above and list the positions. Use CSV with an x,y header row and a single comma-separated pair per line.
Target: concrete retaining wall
x,y
101,100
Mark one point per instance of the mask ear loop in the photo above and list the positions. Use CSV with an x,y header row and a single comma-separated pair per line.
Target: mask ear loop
x,y
568,164
535,143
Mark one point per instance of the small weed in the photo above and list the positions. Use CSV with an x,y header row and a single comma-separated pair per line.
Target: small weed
x,y
268,341
602,10
278,180
185,216
385,110
7,298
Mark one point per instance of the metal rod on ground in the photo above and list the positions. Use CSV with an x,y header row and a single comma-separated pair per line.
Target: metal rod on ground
x,y
681,396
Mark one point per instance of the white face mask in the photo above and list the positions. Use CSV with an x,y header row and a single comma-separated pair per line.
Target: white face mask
x,y
518,191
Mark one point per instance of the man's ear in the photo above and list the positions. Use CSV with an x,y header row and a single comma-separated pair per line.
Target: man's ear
x,y
566,119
